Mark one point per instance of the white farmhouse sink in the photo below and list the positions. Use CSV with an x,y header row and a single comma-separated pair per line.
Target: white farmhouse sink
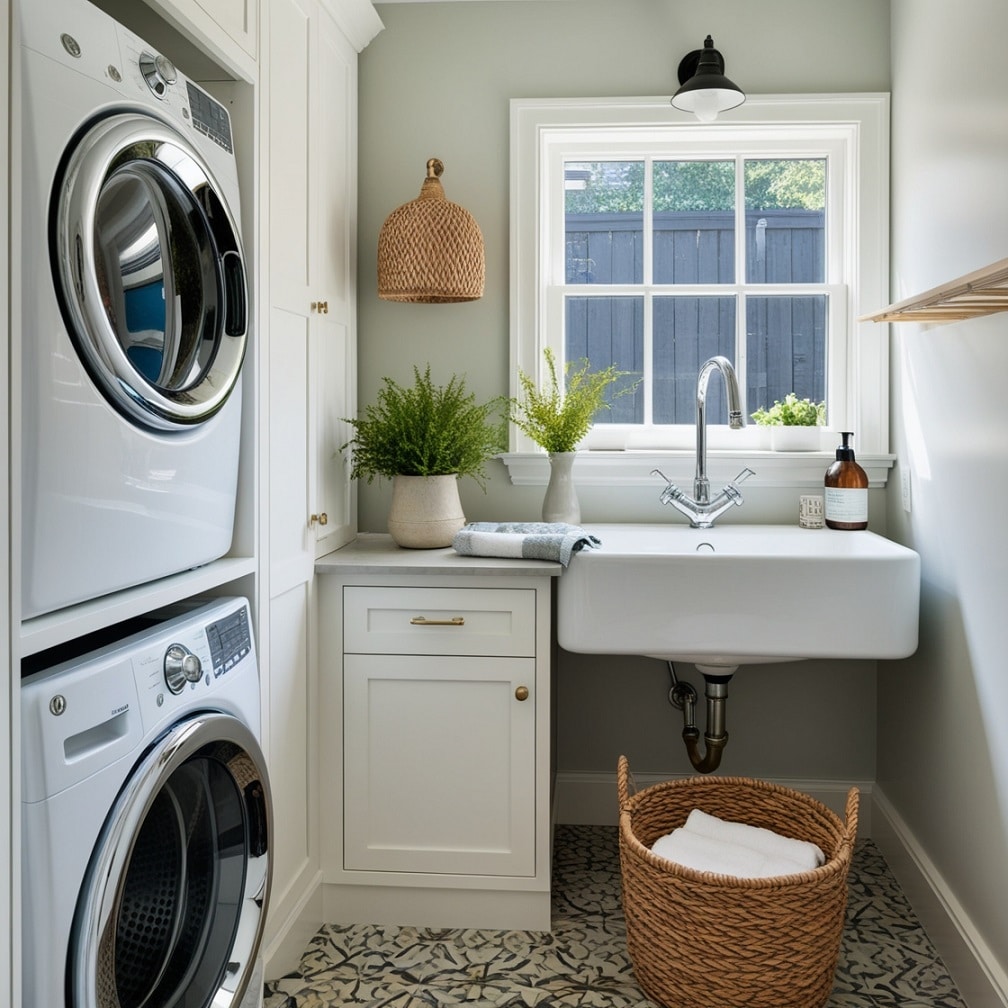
x,y
740,594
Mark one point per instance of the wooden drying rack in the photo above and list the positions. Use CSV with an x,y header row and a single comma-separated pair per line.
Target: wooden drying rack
x,y
982,292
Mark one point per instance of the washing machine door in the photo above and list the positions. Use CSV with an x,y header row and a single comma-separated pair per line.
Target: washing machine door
x,y
149,271
172,908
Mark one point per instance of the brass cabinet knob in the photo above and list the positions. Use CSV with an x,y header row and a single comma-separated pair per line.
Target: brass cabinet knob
x,y
521,693
322,307
322,519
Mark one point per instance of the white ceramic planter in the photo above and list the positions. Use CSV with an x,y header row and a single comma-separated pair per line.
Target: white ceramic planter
x,y
795,438
426,511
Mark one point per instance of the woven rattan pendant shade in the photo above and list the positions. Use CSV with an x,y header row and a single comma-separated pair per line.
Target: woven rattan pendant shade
x,y
430,250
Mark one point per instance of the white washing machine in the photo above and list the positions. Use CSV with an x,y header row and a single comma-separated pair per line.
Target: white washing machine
x,y
146,819
134,310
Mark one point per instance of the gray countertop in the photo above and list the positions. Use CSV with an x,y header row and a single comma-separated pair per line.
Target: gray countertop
x,y
373,553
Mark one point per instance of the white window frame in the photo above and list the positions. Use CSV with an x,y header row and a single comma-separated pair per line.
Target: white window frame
x,y
850,129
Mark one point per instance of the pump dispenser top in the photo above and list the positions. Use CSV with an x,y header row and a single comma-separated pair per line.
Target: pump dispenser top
x,y
846,489
844,452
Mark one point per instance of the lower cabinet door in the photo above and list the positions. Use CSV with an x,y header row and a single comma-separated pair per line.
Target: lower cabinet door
x,y
439,764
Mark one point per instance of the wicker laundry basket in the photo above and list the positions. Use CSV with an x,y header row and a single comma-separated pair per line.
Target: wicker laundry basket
x,y
704,940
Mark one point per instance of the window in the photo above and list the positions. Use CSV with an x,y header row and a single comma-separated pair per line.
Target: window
x,y
651,242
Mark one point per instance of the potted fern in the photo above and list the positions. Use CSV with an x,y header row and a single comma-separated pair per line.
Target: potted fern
x,y
557,417
424,437
794,423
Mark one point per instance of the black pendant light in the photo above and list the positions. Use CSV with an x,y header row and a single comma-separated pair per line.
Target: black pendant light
x,y
705,90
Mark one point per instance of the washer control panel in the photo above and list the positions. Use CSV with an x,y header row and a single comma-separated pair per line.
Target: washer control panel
x,y
230,641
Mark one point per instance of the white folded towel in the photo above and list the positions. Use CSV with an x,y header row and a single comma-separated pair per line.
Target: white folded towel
x,y
756,838
707,843
722,856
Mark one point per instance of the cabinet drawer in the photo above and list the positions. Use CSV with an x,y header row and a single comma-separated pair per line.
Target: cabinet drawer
x,y
443,621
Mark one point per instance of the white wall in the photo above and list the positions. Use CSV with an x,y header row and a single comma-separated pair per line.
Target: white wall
x,y
437,82
943,742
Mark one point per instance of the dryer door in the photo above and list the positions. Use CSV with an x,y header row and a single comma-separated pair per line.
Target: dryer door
x,y
149,270
173,905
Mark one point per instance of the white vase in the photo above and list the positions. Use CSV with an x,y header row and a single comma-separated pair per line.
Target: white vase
x,y
795,438
426,511
560,504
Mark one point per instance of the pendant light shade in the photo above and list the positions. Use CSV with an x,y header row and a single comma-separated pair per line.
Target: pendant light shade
x,y
705,90
430,250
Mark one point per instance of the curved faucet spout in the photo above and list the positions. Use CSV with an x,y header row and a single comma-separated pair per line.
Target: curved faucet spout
x,y
701,485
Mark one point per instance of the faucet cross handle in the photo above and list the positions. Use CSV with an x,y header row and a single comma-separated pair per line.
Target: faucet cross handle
x,y
671,491
731,490
742,476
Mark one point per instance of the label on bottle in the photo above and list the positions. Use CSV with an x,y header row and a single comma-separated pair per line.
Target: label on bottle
x,y
846,504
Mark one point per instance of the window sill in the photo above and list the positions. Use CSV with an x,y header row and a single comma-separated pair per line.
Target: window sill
x,y
802,470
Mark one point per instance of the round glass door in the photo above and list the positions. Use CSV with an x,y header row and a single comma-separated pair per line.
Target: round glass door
x,y
150,273
173,905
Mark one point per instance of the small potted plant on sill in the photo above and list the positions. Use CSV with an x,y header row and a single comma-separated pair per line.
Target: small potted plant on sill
x,y
794,423
424,437
557,417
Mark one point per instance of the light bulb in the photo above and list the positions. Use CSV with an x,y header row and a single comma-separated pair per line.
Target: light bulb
x,y
706,105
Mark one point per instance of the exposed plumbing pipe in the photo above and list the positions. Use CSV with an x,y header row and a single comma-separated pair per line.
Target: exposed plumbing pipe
x,y
684,696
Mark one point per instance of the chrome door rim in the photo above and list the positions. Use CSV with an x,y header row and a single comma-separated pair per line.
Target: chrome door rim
x,y
94,931
75,200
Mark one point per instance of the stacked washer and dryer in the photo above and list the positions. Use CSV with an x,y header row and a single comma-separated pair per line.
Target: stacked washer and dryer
x,y
146,811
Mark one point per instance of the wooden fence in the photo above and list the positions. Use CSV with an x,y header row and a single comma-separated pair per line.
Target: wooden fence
x,y
785,336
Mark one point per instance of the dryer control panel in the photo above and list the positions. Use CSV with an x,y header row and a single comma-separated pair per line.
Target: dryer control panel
x,y
91,709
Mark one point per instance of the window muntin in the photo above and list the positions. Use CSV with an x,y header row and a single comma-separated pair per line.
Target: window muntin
x,y
833,149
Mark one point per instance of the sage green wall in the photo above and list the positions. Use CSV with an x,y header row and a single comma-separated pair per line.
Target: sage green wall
x,y
436,82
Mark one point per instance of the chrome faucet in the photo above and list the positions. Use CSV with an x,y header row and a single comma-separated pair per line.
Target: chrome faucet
x,y
700,509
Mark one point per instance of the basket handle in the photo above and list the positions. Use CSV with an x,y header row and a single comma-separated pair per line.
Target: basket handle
x,y
853,798
624,782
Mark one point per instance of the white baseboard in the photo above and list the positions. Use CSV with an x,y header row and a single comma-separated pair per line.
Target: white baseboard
x,y
590,798
437,907
981,980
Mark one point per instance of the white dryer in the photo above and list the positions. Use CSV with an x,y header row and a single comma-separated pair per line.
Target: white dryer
x,y
134,310
146,819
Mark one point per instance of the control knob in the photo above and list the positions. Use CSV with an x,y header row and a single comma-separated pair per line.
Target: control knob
x,y
159,72
181,666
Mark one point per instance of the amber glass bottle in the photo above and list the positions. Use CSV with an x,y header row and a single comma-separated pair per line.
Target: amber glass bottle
x,y
846,490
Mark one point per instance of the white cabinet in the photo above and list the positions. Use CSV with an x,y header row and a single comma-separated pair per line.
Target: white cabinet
x,y
440,694
312,96
434,694
307,362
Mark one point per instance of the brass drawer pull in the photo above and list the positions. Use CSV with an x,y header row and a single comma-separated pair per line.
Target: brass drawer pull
x,y
423,621
522,693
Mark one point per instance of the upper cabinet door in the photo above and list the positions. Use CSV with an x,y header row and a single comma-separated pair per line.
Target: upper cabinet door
x,y
334,136
238,18
291,95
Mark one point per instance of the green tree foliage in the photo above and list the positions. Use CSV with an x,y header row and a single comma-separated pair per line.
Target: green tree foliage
x,y
798,184
694,186
698,186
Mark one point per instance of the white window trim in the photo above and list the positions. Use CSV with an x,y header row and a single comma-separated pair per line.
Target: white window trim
x,y
538,126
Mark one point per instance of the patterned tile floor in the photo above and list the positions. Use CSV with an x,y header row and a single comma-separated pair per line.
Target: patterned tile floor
x,y
886,960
